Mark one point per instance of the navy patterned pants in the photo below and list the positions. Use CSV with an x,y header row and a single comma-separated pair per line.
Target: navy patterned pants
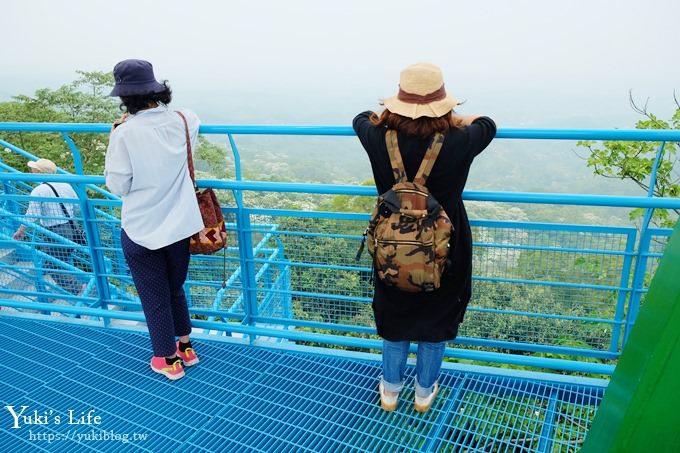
x,y
159,276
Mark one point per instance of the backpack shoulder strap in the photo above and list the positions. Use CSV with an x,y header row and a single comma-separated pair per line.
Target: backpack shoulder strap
x,y
430,158
395,156
56,194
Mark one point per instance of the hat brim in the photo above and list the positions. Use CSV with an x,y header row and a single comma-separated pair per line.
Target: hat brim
x,y
49,168
432,110
136,89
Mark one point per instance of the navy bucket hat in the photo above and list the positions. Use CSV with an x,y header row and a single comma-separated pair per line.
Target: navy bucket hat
x,y
135,77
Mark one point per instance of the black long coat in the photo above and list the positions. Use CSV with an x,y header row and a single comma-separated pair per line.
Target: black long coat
x,y
432,316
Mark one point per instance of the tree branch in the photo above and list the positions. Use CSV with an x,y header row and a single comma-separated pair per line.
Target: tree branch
x,y
642,111
639,152
577,154
639,183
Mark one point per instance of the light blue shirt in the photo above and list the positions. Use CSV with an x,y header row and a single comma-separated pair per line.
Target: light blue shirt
x,y
146,165
47,213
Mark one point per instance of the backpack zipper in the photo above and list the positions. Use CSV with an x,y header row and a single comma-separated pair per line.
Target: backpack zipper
x,y
419,192
387,241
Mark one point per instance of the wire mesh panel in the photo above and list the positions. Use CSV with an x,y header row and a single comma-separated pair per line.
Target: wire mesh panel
x,y
548,284
496,414
658,240
44,252
213,281
544,285
323,282
51,264
573,417
539,284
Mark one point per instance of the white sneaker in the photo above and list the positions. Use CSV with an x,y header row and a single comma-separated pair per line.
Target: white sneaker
x,y
424,404
387,402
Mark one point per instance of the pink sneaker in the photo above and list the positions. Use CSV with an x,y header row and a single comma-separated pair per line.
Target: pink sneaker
x,y
172,372
189,356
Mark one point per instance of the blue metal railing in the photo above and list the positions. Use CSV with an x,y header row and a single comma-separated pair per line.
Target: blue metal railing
x,y
649,135
541,290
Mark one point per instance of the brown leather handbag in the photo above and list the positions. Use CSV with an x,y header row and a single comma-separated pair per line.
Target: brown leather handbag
x,y
213,237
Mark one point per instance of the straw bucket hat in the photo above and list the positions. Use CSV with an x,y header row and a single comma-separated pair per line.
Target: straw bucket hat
x,y
421,93
43,165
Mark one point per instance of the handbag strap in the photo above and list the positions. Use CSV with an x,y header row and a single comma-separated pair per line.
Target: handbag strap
x,y
56,194
190,163
190,159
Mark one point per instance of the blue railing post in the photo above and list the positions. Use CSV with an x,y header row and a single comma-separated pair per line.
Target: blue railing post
x,y
11,205
546,438
77,158
286,296
95,247
38,266
638,285
624,295
187,294
643,249
247,263
245,241
237,158
91,232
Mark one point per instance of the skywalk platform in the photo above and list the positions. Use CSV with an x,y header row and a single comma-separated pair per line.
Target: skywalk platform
x,y
251,398
552,296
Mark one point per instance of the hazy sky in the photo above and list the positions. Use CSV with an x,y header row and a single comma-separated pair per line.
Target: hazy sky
x,y
240,61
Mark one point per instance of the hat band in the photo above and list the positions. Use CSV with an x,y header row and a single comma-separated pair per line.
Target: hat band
x,y
134,82
411,98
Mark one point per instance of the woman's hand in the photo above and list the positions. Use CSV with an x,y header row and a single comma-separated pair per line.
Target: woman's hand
x,y
119,121
19,234
465,120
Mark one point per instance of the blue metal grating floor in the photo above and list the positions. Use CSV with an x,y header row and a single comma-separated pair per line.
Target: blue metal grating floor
x,y
242,398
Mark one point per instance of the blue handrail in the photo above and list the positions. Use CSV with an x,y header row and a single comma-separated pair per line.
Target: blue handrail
x,y
338,189
237,129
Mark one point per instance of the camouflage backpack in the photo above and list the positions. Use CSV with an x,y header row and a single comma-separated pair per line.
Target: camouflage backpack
x,y
408,234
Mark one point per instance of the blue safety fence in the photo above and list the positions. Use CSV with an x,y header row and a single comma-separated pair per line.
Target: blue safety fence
x,y
550,295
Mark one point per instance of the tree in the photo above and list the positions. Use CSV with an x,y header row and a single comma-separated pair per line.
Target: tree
x,y
352,203
322,247
82,101
213,158
635,161
85,100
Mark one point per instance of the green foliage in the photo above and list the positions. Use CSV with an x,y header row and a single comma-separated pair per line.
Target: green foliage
x,y
635,161
83,100
213,158
324,250
352,203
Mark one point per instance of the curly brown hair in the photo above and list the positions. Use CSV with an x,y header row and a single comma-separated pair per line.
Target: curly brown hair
x,y
137,103
419,127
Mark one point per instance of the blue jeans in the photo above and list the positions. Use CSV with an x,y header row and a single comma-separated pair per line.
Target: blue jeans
x,y
428,365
